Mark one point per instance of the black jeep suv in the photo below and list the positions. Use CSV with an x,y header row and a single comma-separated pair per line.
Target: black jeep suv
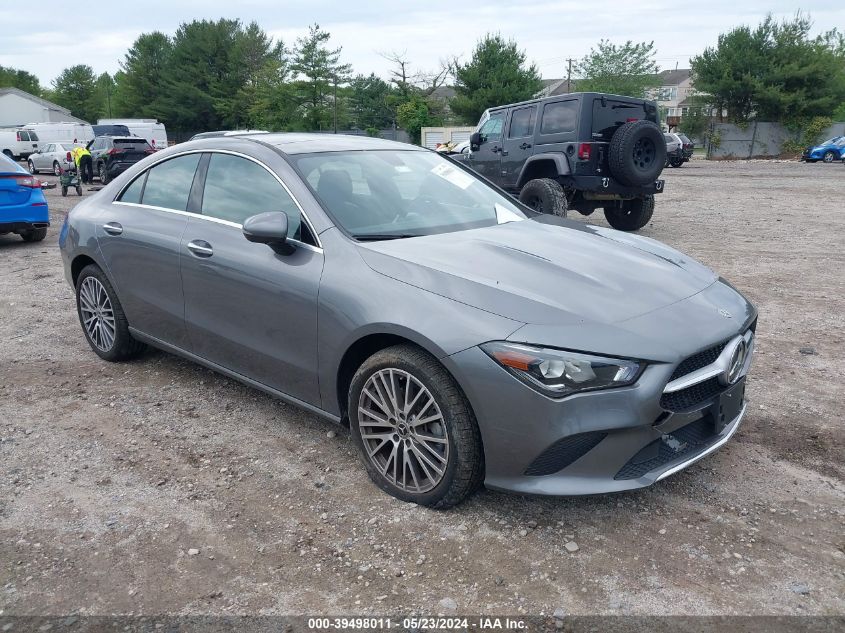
x,y
579,151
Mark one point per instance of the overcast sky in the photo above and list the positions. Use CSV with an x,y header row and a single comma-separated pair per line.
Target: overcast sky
x,y
47,37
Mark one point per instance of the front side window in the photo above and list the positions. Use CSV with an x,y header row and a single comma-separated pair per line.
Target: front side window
x,y
23,135
559,117
169,183
33,136
522,122
388,194
237,188
491,130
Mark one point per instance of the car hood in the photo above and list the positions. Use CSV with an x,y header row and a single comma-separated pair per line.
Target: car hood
x,y
544,271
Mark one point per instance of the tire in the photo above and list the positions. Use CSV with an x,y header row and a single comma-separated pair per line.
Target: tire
x,y
57,169
459,455
545,195
9,154
637,153
111,346
78,190
34,235
31,167
103,173
64,191
828,156
632,215
677,162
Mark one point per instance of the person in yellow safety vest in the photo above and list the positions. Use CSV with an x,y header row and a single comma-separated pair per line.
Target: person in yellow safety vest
x,y
84,163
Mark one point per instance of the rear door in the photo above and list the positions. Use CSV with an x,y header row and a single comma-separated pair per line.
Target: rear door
x,y
518,143
487,159
140,236
247,307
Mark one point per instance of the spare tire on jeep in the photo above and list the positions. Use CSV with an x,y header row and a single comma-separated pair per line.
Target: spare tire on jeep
x,y
637,153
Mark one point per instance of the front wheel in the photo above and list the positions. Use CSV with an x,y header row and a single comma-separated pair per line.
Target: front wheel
x,y
414,428
677,162
545,195
632,215
31,167
57,169
102,318
828,156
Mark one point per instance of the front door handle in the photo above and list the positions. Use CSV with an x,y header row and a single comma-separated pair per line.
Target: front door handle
x,y
525,146
113,228
200,248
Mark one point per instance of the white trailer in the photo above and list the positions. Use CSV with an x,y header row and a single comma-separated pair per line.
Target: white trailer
x,y
61,132
150,129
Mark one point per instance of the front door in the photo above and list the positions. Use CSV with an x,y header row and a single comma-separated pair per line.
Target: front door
x,y
486,160
140,236
518,143
248,308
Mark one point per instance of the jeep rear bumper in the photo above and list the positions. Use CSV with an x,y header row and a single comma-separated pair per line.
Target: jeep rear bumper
x,y
601,186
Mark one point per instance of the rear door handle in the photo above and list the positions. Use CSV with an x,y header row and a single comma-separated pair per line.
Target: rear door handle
x,y
113,228
525,146
200,248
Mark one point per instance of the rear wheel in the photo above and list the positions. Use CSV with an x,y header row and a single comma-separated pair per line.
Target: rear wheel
x,y
78,190
57,169
34,235
631,215
677,162
545,195
414,428
102,318
64,191
103,173
9,154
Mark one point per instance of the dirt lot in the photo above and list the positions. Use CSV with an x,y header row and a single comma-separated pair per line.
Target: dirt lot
x,y
160,487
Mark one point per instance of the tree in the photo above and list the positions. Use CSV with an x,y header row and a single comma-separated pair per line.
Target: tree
x,y
102,98
774,72
320,72
628,69
21,79
369,106
415,114
497,74
139,86
75,89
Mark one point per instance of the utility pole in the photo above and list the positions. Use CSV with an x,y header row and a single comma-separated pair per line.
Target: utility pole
x,y
569,75
335,104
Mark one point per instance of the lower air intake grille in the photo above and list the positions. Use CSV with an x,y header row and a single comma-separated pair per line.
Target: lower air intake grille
x,y
564,452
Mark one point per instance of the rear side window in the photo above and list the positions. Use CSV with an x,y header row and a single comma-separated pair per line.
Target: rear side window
x,y
33,136
610,115
237,188
169,183
133,192
559,117
522,122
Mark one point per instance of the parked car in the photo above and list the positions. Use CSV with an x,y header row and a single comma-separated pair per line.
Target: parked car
x,y
23,207
219,133
54,157
463,337
679,149
581,151
112,155
832,149
17,143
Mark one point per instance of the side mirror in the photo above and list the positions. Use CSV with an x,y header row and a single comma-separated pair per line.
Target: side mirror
x,y
269,228
475,141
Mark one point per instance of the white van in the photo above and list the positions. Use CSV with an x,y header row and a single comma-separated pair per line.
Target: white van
x,y
150,129
62,132
17,143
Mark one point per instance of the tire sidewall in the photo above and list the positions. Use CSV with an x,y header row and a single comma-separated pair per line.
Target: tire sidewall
x,y
621,152
112,354
550,193
396,361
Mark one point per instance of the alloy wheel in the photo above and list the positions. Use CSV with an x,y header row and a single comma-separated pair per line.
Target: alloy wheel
x,y
97,313
403,431
57,169
644,153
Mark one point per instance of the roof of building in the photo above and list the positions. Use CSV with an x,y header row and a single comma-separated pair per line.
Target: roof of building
x,y
43,103
673,77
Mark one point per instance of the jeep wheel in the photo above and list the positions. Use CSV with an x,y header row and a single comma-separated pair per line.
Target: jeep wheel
x,y
544,195
414,428
632,215
637,153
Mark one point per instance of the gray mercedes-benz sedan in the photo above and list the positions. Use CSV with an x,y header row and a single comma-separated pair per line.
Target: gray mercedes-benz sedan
x,y
384,285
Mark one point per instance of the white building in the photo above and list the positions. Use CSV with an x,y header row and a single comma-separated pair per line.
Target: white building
x,y
19,108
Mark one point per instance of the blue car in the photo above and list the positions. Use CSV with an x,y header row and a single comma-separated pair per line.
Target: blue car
x,y
23,207
829,151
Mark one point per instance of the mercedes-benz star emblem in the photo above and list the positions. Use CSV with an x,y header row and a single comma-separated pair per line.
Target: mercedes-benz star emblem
x,y
735,364
725,313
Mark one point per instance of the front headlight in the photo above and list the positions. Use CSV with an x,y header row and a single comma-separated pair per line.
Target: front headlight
x,y
558,373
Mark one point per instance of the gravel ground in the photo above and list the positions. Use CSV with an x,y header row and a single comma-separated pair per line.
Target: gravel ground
x,y
159,487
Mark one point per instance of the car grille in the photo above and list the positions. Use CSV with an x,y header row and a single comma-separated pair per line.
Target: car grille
x,y
688,441
693,396
697,361
564,452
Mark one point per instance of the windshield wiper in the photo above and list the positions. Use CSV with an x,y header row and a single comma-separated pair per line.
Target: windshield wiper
x,y
376,237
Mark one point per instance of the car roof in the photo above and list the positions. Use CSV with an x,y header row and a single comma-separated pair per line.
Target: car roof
x,y
303,143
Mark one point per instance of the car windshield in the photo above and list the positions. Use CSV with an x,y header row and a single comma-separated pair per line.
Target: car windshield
x,y
387,194
833,141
